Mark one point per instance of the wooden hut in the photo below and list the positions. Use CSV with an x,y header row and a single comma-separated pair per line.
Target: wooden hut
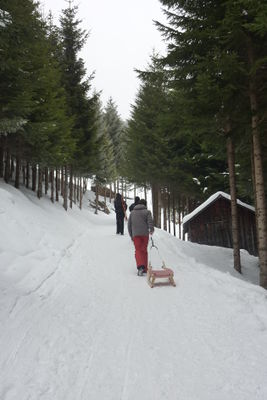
x,y
210,223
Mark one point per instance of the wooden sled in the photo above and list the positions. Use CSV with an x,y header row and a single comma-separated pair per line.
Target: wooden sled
x,y
153,274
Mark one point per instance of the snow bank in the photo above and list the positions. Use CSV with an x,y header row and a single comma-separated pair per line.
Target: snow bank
x,y
78,323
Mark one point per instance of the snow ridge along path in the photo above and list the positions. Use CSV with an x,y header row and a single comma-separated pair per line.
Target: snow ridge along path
x,y
77,323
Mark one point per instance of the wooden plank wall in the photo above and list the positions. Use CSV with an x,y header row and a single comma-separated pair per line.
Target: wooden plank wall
x,y
213,227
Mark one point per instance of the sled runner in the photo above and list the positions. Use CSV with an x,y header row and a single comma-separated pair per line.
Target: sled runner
x,y
164,272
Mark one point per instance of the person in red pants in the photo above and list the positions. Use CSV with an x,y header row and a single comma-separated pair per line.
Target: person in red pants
x,y
140,226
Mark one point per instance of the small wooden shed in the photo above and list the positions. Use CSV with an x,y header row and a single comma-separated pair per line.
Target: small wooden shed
x,y
210,223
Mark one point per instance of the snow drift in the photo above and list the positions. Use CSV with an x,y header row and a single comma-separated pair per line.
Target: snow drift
x,y
77,323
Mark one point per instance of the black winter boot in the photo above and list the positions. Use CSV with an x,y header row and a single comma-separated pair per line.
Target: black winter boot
x,y
140,270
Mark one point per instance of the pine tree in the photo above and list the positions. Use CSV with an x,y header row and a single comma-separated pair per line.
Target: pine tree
x,y
115,131
218,49
34,117
105,169
53,146
82,107
160,139
145,144
17,22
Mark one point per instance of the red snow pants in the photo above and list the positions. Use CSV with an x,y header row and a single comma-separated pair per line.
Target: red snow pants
x,y
140,244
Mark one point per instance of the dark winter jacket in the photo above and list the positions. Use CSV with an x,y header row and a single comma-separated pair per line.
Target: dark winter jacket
x,y
140,222
120,206
136,201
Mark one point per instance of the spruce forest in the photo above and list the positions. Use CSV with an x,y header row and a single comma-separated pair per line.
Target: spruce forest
x,y
197,126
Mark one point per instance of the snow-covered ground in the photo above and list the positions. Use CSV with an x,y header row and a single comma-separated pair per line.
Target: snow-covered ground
x,y
77,323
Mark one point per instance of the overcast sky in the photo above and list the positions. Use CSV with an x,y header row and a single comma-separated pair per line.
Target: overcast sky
x,y
122,37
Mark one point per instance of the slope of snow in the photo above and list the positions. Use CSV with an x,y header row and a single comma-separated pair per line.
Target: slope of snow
x,y
77,323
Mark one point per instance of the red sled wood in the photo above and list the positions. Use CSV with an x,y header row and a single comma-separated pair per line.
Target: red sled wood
x,y
153,274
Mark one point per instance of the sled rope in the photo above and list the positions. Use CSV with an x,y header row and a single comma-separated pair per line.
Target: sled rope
x,y
154,246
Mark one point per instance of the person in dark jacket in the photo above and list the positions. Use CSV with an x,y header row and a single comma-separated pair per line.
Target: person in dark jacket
x,y
120,209
136,201
140,226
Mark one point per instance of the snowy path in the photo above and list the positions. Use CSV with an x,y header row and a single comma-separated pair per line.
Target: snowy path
x,y
89,328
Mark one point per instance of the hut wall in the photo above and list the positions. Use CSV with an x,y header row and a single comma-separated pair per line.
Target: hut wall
x,y
248,235
213,227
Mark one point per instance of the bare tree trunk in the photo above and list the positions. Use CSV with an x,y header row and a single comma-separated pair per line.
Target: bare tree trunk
x,y
184,211
62,185
46,180
12,168
259,197
40,183
154,189
254,191
74,188
27,175
259,177
71,186
84,185
169,212
81,194
179,217
234,208
65,190
145,193
1,157
110,192
52,179
164,216
34,173
78,189
159,207
24,174
7,166
173,214
96,198
105,195
57,184
18,162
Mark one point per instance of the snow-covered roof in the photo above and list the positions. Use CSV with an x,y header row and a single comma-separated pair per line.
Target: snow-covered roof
x,y
210,200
